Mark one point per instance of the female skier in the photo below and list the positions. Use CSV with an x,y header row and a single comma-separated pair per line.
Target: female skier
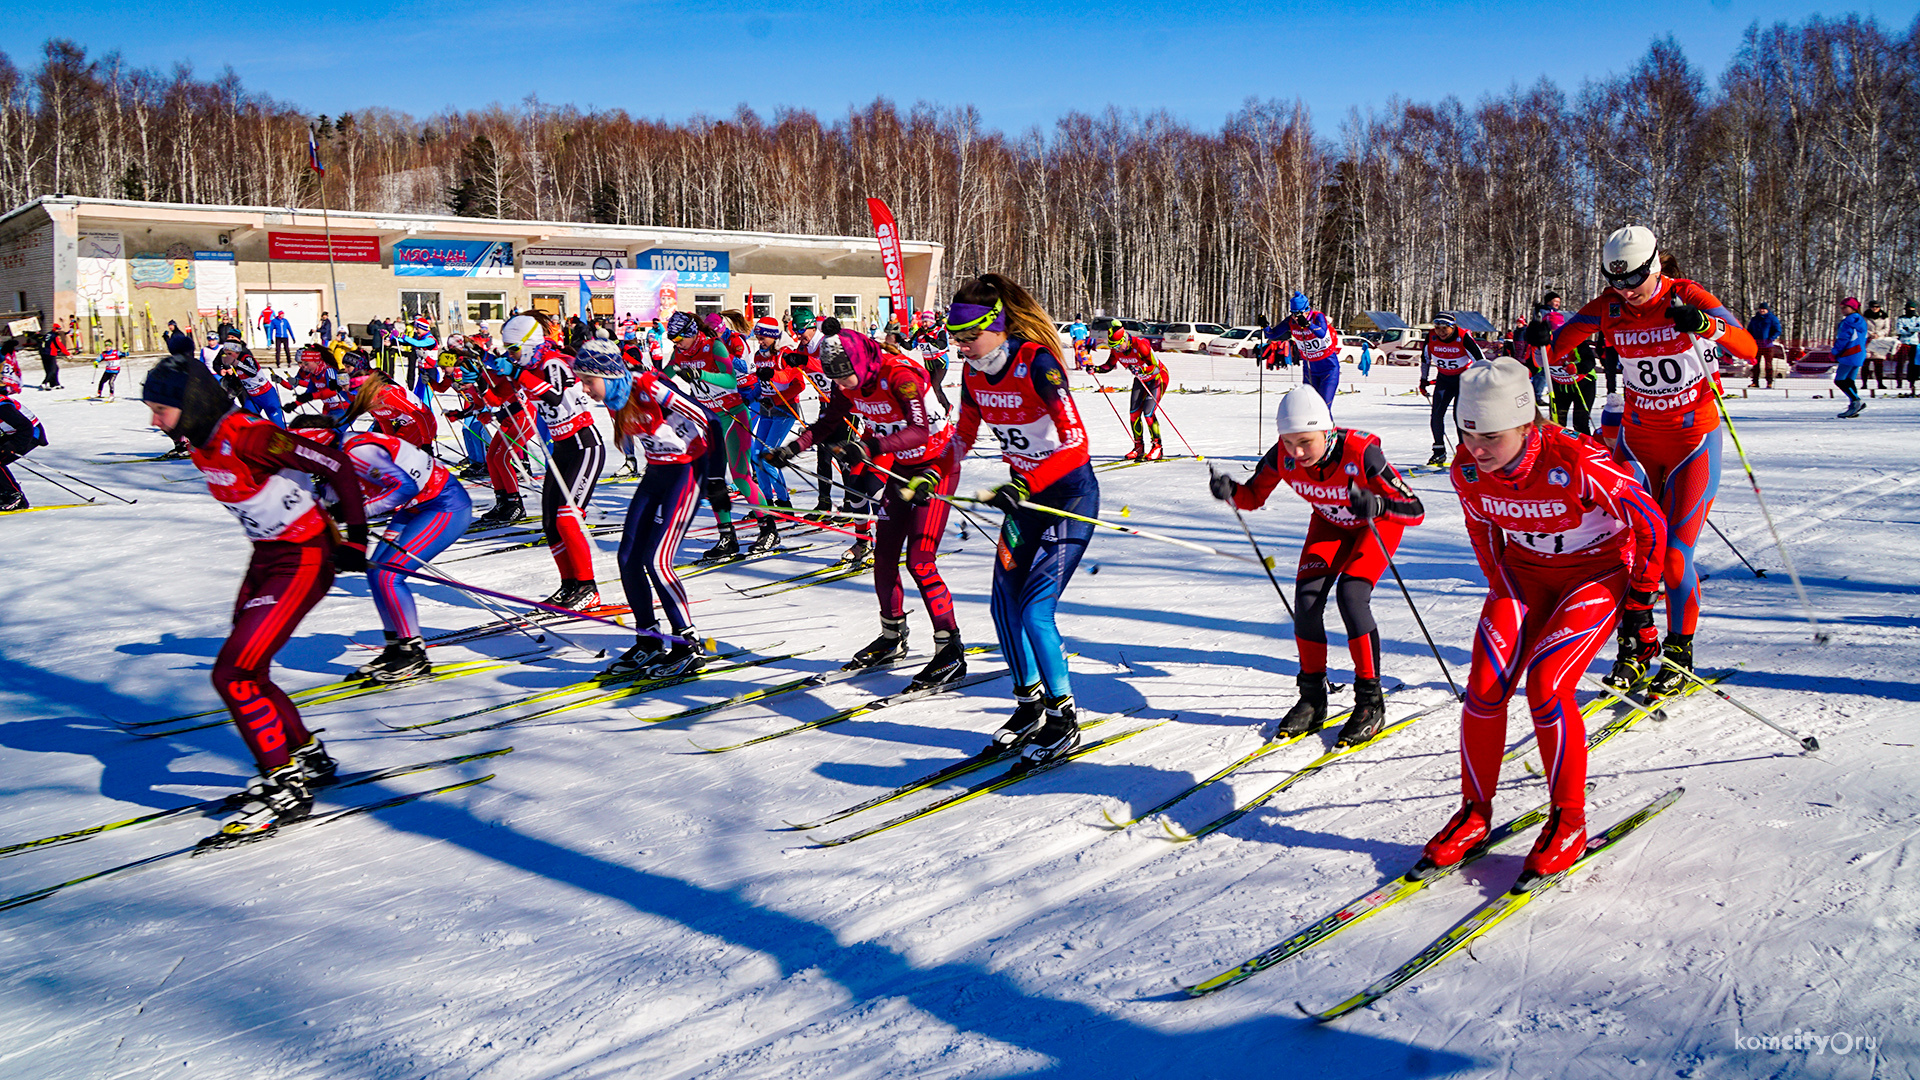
x,y
1670,429
261,474
1566,537
1344,475
1149,385
1315,345
1017,387
723,383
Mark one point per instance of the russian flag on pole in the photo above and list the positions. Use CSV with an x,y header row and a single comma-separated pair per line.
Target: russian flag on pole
x,y
313,154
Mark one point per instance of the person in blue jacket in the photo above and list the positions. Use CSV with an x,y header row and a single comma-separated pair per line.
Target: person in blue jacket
x,y
1849,352
280,332
1765,328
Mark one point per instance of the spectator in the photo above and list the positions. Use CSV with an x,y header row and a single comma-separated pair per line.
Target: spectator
x,y
280,332
1880,344
1548,312
1849,350
1907,332
326,329
1765,328
50,359
178,342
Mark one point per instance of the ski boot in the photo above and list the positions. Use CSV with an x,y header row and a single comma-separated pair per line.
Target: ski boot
x,y
1369,716
860,554
575,595
1138,452
1310,712
824,504
1056,736
1154,453
278,798
684,658
1438,457
726,549
473,472
316,765
638,657
1854,410
891,645
405,659
1027,711
507,509
948,664
15,501
176,453
1675,653
1562,840
1628,668
366,670
1466,831
769,538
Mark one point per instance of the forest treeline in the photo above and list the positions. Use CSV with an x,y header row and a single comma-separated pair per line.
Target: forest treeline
x,y
1791,178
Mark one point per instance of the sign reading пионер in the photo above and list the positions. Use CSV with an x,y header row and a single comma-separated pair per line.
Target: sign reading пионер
x,y
697,269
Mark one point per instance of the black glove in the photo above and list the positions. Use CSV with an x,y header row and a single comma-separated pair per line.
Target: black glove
x,y
350,555
1010,495
1636,626
781,456
1539,334
1423,388
459,414
1689,319
1366,505
7,457
850,453
1223,486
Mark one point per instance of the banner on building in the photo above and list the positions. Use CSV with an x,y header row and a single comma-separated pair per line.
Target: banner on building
x,y
453,258
216,286
100,274
312,247
560,266
891,260
696,269
645,294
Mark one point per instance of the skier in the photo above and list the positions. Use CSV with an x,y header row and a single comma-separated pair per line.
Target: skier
x,y
1343,474
394,411
671,429
20,434
1670,424
460,373
711,356
255,469
253,387
317,380
1448,351
1565,537
902,438
11,379
545,375
111,360
1573,388
1149,386
1017,387
858,485
1849,352
930,340
778,409
1316,344
513,431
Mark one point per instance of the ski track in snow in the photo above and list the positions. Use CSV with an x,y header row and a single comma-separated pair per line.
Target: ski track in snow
x,y
615,904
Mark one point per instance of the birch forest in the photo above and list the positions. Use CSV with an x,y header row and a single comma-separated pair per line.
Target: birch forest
x,y
1789,178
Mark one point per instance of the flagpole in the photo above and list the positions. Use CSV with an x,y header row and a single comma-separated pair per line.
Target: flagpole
x,y
326,226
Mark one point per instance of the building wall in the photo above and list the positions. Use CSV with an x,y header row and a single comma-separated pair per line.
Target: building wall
x,y
26,270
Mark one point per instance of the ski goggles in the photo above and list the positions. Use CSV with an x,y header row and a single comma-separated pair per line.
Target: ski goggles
x,y
1631,278
976,318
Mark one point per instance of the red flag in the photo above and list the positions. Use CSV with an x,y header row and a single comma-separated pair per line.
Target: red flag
x,y
890,258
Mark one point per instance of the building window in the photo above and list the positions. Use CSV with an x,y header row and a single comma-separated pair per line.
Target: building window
x,y
846,307
486,306
796,301
420,303
708,303
759,306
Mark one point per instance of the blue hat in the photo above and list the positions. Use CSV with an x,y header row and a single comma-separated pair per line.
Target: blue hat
x,y
1298,303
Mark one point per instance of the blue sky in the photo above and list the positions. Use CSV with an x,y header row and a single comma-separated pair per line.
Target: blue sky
x,y
1020,64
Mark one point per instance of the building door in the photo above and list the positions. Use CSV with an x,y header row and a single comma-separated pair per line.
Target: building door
x,y
302,310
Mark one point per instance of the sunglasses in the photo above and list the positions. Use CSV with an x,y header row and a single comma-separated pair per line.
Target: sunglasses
x,y
1630,279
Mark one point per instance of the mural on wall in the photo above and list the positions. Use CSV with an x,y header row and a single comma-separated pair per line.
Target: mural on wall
x,y
102,274
172,269
645,294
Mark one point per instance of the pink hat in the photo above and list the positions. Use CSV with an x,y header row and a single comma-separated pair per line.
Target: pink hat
x,y
1852,302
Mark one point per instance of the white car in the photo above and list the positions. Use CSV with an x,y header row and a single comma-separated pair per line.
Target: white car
x,y
1237,341
1189,337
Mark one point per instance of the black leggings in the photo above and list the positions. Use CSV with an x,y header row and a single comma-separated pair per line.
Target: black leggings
x,y
1354,595
1446,392
106,382
571,477
1576,398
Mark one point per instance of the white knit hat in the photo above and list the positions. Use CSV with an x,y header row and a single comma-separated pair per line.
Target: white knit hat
x,y
1495,395
1303,409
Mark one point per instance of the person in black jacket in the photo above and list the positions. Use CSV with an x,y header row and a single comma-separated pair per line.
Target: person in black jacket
x,y
20,434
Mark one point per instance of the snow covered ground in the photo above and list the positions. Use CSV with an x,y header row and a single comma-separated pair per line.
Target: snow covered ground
x,y
613,904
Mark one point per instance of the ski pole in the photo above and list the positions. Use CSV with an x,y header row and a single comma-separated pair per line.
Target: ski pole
x,y
510,618
1820,637
1807,742
709,643
1757,572
891,475
985,498
1159,408
1415,608
94,486
55,483
1265,563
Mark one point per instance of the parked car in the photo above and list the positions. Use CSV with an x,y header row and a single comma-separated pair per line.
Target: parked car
x,y
1189,337
1155,335
1235,341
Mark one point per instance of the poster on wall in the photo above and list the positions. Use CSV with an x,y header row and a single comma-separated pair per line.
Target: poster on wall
x,y
562,266
216,287
697,269
312,247
645,294
453,258
169,269
101,288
